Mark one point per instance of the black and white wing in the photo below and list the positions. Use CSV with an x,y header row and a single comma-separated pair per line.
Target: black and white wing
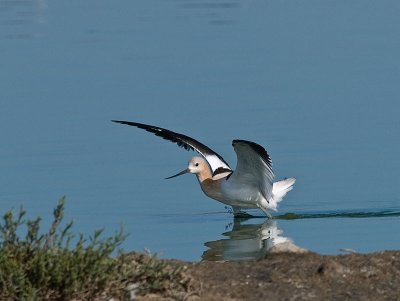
x,y
254,165
216,162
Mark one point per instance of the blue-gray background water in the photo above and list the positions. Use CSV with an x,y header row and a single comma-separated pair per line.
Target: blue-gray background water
x,y
315,82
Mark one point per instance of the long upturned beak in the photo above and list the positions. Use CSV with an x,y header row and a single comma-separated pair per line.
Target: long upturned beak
x,y
179,173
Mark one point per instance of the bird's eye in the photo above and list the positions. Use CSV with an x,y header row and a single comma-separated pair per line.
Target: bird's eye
x,y
197,164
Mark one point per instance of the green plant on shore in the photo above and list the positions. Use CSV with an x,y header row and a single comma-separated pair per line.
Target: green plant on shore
x,y
58,265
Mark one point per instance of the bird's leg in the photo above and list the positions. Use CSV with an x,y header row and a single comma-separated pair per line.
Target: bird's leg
x,y
265,211
237,212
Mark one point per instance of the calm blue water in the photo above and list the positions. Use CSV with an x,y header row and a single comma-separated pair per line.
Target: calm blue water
x,y
315,82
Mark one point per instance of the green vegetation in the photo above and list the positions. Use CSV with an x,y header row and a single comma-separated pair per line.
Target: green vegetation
x,y
58,265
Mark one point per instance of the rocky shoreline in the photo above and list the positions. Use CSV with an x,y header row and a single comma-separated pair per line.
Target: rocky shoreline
x,y
293,276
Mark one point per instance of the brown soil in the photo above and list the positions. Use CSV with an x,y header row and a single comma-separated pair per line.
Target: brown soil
x,y
292,276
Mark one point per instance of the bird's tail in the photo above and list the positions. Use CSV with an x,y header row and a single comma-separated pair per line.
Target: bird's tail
x,y
279,190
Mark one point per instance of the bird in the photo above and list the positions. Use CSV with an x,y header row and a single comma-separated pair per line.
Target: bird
x,y
249,186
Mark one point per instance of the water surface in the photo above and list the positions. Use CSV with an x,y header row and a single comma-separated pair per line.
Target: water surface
x,y
315,82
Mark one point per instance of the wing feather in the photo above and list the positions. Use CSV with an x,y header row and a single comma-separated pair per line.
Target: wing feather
x,y
254,165
215,161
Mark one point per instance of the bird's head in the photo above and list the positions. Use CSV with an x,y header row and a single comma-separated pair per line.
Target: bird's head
x,y
197,166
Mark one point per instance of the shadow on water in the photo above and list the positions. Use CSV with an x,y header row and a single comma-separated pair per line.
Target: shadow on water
x,y
245,241
367,214
333,214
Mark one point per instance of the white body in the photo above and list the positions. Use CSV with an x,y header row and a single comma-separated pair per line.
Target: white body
x,y
242,195
239,195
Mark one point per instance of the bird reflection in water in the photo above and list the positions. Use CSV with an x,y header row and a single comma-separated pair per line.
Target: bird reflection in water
x,y
245,241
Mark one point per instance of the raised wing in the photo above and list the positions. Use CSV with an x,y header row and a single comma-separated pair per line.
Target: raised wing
x,y
216,162
254,165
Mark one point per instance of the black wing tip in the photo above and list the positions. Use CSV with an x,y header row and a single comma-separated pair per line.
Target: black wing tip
x,y
137,124
251,143
257,148
119,121
177,138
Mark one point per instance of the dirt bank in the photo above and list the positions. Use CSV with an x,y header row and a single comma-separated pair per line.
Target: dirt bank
x,y
293,276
